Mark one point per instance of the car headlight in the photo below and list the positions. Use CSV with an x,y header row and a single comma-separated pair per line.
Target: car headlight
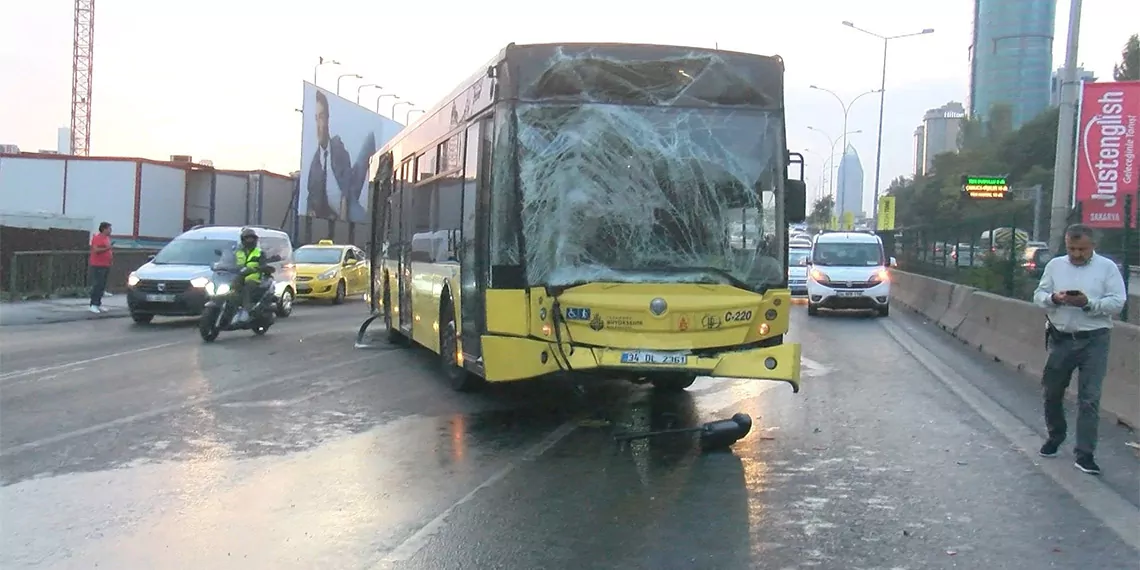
x,y
199,282
819,276
132,279
327,275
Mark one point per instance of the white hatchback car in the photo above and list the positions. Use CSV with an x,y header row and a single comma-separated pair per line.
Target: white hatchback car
x,y
849,270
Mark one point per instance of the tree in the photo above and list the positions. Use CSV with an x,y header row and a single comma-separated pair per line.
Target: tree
x,y
821,212
1129,67
1024,156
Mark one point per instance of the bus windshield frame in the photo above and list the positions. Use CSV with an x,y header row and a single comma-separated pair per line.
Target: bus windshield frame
x,y
650,164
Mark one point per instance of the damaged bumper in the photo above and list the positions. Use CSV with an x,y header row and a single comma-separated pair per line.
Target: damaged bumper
x,y
532,358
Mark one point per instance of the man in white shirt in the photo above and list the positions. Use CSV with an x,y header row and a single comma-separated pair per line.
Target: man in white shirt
x,y
1080,293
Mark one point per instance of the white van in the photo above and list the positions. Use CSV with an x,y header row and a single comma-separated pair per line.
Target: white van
x,y
849,270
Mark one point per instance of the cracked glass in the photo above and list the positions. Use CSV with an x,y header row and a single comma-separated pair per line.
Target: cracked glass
x,y
649,170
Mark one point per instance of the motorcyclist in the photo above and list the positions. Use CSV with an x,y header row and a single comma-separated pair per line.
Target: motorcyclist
x,y
248,258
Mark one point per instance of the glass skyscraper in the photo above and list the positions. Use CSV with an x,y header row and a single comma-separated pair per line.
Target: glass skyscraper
x,y
1011,57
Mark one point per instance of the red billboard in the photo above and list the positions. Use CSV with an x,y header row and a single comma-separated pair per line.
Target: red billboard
x,y
1106,165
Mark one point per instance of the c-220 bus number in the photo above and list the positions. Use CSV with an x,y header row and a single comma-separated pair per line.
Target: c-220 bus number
x,y
736,316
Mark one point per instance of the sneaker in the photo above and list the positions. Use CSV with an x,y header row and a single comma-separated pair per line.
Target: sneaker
x,y
1050,448
103,309
1085,463
94,309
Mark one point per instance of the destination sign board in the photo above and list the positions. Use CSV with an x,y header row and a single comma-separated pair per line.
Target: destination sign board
x,y
985,187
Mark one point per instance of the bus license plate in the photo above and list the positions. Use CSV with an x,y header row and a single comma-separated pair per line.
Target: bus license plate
x,y
645,357
160,298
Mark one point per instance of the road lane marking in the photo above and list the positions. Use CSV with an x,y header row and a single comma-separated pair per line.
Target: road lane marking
x,y
174,408
414,543
40,370
1114,511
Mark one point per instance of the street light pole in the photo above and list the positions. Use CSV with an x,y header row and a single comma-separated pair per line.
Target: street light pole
x,y
397,104
381,98
342,76
1066,124
846,111
321,61
408,115
831,142
359,87
882,106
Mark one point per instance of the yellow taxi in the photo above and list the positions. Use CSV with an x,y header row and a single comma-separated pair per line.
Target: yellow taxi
x,y
329,271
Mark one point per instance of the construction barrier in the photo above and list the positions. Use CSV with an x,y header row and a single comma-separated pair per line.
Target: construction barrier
x,y
1013,332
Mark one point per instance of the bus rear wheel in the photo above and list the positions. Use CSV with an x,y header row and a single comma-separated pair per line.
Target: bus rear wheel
x,y
459,378
673,382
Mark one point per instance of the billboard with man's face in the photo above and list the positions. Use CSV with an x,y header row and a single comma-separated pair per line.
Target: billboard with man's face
x,y
336,141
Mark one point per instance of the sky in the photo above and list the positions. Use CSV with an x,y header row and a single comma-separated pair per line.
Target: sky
x,y
221,80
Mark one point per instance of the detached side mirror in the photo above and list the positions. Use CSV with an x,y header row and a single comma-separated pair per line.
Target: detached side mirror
x,y
273,258
795,201
894,262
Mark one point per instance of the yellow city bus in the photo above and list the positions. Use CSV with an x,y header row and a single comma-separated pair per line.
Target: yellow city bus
x,y
600,209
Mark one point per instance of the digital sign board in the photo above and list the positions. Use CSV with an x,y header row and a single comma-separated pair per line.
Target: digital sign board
x,y
985,187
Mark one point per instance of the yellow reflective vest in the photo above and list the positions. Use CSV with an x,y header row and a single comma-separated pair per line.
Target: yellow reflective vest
x,y
252,260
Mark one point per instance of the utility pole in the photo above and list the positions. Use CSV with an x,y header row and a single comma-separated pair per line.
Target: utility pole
x,y
1066,128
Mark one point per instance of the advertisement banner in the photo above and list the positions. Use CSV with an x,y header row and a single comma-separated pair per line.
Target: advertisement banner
x,y
1106,168
337,139
886,213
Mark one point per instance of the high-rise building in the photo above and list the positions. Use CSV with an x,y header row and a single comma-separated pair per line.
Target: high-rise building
x,y
1011,57
919,150
849,194
939,132
1055,83
63,140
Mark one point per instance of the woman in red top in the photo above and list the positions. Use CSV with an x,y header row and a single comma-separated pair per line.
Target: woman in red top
x,y
100,262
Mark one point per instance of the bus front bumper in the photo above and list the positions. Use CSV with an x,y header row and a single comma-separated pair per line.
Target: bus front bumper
x,y
508,359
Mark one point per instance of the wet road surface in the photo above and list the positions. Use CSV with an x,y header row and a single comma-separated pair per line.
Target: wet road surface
x,y
134,447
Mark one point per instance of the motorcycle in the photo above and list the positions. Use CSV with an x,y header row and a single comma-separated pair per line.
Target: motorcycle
x,y
225,302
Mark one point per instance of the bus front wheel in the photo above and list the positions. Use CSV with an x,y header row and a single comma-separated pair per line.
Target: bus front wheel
x,y
460,379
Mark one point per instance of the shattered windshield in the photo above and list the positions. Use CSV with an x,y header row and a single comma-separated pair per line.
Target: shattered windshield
x,y
655,194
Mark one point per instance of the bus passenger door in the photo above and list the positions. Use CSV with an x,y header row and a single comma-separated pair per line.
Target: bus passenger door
x,y
404,260
473,250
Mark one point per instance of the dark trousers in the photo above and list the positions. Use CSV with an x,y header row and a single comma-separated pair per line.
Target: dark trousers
x,y
98,284
1089,358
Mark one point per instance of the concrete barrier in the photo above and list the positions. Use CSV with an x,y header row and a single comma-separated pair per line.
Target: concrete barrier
x,y
1013,332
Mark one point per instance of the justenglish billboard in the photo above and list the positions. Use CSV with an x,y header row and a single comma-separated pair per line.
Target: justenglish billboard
x,y
1106,166
337,139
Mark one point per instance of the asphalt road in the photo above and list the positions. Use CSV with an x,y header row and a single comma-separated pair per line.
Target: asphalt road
x,y
135,447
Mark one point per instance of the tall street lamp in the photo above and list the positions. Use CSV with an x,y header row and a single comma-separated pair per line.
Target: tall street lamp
x,y
381,98
831,144
342,76
846,110
397,104
359,87
321,61
408,115
882,101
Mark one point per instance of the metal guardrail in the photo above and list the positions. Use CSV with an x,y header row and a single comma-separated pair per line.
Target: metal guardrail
x,y
44,273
